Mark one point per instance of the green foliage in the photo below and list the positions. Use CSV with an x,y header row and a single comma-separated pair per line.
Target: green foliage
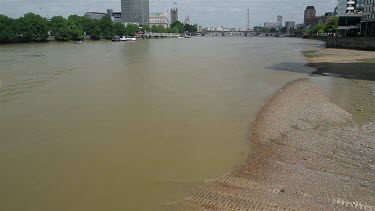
x,y
317,29
33,27
96,33
273,30
175,30
300,30
59,28
119,29
190,28
260,29
76,32
106,25
178,25
283,30
8,30
146,28
158,29
331,25
132,29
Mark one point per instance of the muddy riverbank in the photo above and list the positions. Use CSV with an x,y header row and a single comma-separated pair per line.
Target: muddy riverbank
x,y
307,152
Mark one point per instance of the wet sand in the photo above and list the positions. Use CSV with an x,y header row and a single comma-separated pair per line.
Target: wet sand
x,y
306,154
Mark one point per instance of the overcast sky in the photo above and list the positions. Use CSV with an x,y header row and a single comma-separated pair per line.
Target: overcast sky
x,y
229,13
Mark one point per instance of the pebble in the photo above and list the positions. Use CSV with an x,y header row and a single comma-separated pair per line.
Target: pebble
x,y
360,109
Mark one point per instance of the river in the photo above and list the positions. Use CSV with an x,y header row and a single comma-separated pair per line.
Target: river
x,y
130,125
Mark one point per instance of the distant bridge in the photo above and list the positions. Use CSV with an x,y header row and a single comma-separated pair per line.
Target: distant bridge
x,y
238,33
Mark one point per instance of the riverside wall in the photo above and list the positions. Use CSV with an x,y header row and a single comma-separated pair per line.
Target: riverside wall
x,y
359,43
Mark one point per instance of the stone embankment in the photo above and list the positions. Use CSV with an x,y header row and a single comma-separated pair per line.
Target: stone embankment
x,y
358,43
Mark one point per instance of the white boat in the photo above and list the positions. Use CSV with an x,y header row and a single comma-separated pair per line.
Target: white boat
x,y
123,38
188,36
77,41
131,39
181,37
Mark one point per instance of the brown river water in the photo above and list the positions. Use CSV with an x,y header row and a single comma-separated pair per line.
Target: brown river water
x,y
105,125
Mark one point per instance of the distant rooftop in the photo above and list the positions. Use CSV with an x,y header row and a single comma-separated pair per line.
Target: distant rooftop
x,y
310,8
156,14
97,13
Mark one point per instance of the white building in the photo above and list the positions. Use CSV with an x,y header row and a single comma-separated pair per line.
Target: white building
x,y
95,15
271,25
159,19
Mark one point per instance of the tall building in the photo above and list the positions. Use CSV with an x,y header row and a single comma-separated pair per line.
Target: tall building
x,y
174,15
135,11
290,25
368,18
360,5
309,16
345,7
280,20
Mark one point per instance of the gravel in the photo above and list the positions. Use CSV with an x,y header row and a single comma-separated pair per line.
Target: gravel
x,y
306,154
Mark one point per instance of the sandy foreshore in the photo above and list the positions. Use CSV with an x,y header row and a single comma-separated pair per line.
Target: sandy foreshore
x,y
306,154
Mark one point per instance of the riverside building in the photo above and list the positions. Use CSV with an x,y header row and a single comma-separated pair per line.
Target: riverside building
x,y
158,19
135,12
368,19
309,16
95,15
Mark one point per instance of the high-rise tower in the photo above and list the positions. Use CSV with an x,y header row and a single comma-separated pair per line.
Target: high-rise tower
x,y
309,15
174,15
135,11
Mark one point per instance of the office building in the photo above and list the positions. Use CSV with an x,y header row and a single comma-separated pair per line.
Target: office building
x,y
135,11
174,15
290,25
345,7
280,20
309,16
368,19
271,25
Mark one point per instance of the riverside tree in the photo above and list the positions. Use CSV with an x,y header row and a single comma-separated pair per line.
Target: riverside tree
x,y
132,29
106,25
119,29
331,25
59,28
32,27
178,26
8,29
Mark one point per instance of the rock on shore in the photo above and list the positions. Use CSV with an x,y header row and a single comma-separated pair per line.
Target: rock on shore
x,y
306,154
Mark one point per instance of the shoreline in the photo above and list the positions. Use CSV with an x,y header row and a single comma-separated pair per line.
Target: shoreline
x,y
306,154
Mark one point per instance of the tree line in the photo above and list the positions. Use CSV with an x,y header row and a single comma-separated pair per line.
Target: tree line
x,y
33,27
329,27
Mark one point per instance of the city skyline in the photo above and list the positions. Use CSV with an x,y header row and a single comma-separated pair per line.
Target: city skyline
x,y
207,13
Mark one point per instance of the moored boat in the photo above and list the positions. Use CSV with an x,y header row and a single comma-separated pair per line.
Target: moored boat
x,y
116,38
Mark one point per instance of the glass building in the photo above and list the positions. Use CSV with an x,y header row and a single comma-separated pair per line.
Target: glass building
x,y
135,11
